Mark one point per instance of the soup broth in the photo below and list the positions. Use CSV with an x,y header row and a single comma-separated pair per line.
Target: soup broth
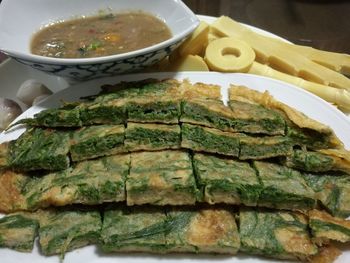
x,y
100,35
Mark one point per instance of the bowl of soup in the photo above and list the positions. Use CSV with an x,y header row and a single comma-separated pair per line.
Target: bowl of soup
x,y
86,39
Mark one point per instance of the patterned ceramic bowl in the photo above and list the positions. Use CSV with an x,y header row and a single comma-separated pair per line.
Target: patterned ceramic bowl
x,y
20,19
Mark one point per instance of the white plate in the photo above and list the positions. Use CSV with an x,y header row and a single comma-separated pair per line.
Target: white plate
x,y
307,103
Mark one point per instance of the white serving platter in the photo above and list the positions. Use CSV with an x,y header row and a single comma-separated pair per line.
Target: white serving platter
x,y
303,101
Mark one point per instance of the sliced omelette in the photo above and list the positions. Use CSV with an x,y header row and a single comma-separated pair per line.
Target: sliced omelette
x,y
332,191
161,178
202,230
158,102
151,137
11,195
136,229
61,117
133,89
154,110
256,119
18,232
300,128
39,149
325,227
94,141
89,182
283,188
209,113
227,181
65,230
110,112
317,161
204,139
275,234
255,148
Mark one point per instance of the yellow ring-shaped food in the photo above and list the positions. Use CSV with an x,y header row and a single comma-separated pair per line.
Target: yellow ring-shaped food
x,y
229,54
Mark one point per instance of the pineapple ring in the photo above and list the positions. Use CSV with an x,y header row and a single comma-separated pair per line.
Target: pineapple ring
x,y
229,54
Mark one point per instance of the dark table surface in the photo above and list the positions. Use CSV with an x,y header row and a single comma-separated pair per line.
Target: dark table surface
x,y
323,24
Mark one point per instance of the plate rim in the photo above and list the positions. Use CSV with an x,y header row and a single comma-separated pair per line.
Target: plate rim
x,y
162,75
178,75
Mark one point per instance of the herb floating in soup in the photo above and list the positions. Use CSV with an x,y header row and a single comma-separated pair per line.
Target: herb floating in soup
x,y
100,36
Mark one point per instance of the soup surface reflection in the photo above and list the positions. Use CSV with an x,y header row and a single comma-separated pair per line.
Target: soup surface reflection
x,y
100,35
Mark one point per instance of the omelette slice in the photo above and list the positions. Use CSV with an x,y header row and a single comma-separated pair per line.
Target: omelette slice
x,y
134,89
226,181
203,139
161,178
4,161
38,149
215,114
310,161
155,102
256,119
151,137
110,112
65,230
51,118
154,110
79,114
11,187
333,192
326,254
311,139
94,141
284,188
108,107
325,227
18,232
341,158
144,101
275,234
300,128
89,182
202,230
200,90
135,229
256,148
209,113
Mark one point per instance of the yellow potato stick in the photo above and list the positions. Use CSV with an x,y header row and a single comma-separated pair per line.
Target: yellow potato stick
x,y
196,43
339,97
332,60
229,55
279,56
335,61
188,63
212,37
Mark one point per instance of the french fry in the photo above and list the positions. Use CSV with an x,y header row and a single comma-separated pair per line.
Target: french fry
x,y
189,63
340,97
279,56
314,70
197,42
335,61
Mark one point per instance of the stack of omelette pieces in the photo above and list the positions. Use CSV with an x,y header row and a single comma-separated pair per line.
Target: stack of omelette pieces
x,y
166,166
